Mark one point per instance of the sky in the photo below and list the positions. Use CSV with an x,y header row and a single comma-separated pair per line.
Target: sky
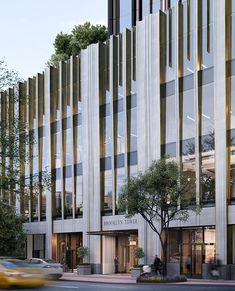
x,y
28,29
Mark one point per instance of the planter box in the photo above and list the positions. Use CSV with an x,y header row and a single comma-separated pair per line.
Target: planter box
x,y
136,272
84,269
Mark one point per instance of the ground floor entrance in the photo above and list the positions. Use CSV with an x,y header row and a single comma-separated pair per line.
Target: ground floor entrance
x,y
66,249
125,247
191,248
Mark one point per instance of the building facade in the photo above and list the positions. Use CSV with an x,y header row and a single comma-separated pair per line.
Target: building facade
x,y
163,87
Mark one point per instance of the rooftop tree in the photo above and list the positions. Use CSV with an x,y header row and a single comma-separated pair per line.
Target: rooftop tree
x,y
161,194
81,37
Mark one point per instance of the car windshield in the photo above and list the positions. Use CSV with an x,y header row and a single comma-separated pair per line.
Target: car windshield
x,y
21,264
49,261
8,265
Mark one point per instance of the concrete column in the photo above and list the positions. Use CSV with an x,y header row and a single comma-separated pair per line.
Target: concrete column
x,y
91,152
29,246
148,75
220,129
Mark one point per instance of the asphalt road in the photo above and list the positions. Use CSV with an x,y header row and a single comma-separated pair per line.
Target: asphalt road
x,y
80,286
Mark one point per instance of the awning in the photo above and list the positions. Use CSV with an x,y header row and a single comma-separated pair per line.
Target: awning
x,y
113,232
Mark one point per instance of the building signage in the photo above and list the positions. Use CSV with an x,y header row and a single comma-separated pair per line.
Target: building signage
x,y
120,223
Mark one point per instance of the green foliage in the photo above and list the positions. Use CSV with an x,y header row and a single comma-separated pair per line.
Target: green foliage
x,y
139,253
81,37
82,252
8,78
12,234
162,193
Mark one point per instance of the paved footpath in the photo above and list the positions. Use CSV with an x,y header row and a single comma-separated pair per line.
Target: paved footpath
x,y
127,279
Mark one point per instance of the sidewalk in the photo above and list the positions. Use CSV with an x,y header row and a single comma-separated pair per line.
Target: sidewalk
x,y
119,278
127,279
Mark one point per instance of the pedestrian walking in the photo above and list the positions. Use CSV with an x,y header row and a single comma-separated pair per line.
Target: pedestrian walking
x,y
157,264
116,264
188,264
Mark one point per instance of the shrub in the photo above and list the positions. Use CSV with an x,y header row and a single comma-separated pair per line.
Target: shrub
x,y
139,253
82,252
154,279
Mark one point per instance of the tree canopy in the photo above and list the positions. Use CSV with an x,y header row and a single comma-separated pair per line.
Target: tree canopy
x,y
81,36
163,193
12,234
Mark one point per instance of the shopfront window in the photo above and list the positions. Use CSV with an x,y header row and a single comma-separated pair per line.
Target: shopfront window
x,y
191,246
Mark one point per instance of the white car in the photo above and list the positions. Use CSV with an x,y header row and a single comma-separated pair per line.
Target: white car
x,y
50,268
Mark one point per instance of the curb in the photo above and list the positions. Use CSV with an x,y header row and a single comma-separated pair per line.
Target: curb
x,y
200,284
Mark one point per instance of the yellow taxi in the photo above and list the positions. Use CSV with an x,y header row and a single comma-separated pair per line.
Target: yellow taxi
x,y
11,277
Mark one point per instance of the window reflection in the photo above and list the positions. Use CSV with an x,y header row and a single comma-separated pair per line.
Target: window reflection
x,y
168,126
125,14
79,196
108,192
207,142
68,192
232,137
207,32
188,133
120,178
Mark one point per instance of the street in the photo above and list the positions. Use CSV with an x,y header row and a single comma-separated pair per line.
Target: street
x,y
88,286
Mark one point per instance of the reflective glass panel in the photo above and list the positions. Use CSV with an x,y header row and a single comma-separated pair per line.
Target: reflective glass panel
x,y
79,196
108,192
169,127
125,14
207,142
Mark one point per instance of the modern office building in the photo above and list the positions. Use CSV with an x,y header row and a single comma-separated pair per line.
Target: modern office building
x,y
163,87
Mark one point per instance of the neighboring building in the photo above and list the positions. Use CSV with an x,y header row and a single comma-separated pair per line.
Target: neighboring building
x,y
164,87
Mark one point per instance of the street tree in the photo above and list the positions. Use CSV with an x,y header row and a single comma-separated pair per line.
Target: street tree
x,y
81,37
12,234
161,194
17,183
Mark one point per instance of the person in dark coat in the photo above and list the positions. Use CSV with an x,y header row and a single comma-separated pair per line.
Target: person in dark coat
x,y
116,263
157,264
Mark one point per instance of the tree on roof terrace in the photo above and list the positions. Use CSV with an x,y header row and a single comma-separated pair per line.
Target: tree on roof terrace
x,y
81,37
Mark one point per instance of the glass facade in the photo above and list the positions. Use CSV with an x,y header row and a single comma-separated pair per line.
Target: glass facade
x,y
207,142
125,14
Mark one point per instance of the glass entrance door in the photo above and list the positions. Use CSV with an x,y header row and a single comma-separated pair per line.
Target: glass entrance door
x,y
191,260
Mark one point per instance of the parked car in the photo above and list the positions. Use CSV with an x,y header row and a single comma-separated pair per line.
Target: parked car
x,y
50,268
11,277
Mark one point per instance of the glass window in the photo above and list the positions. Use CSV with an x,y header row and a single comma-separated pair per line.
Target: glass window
x,y
120,178
108,192
156,5
79,196
68,192
207,32
107,136
125,14
207,142
67,134
132,125
188,133
232,137
58,191
169,128
120,128
145,7
232,26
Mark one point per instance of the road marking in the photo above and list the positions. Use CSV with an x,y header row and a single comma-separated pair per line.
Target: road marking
x,y
63,286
